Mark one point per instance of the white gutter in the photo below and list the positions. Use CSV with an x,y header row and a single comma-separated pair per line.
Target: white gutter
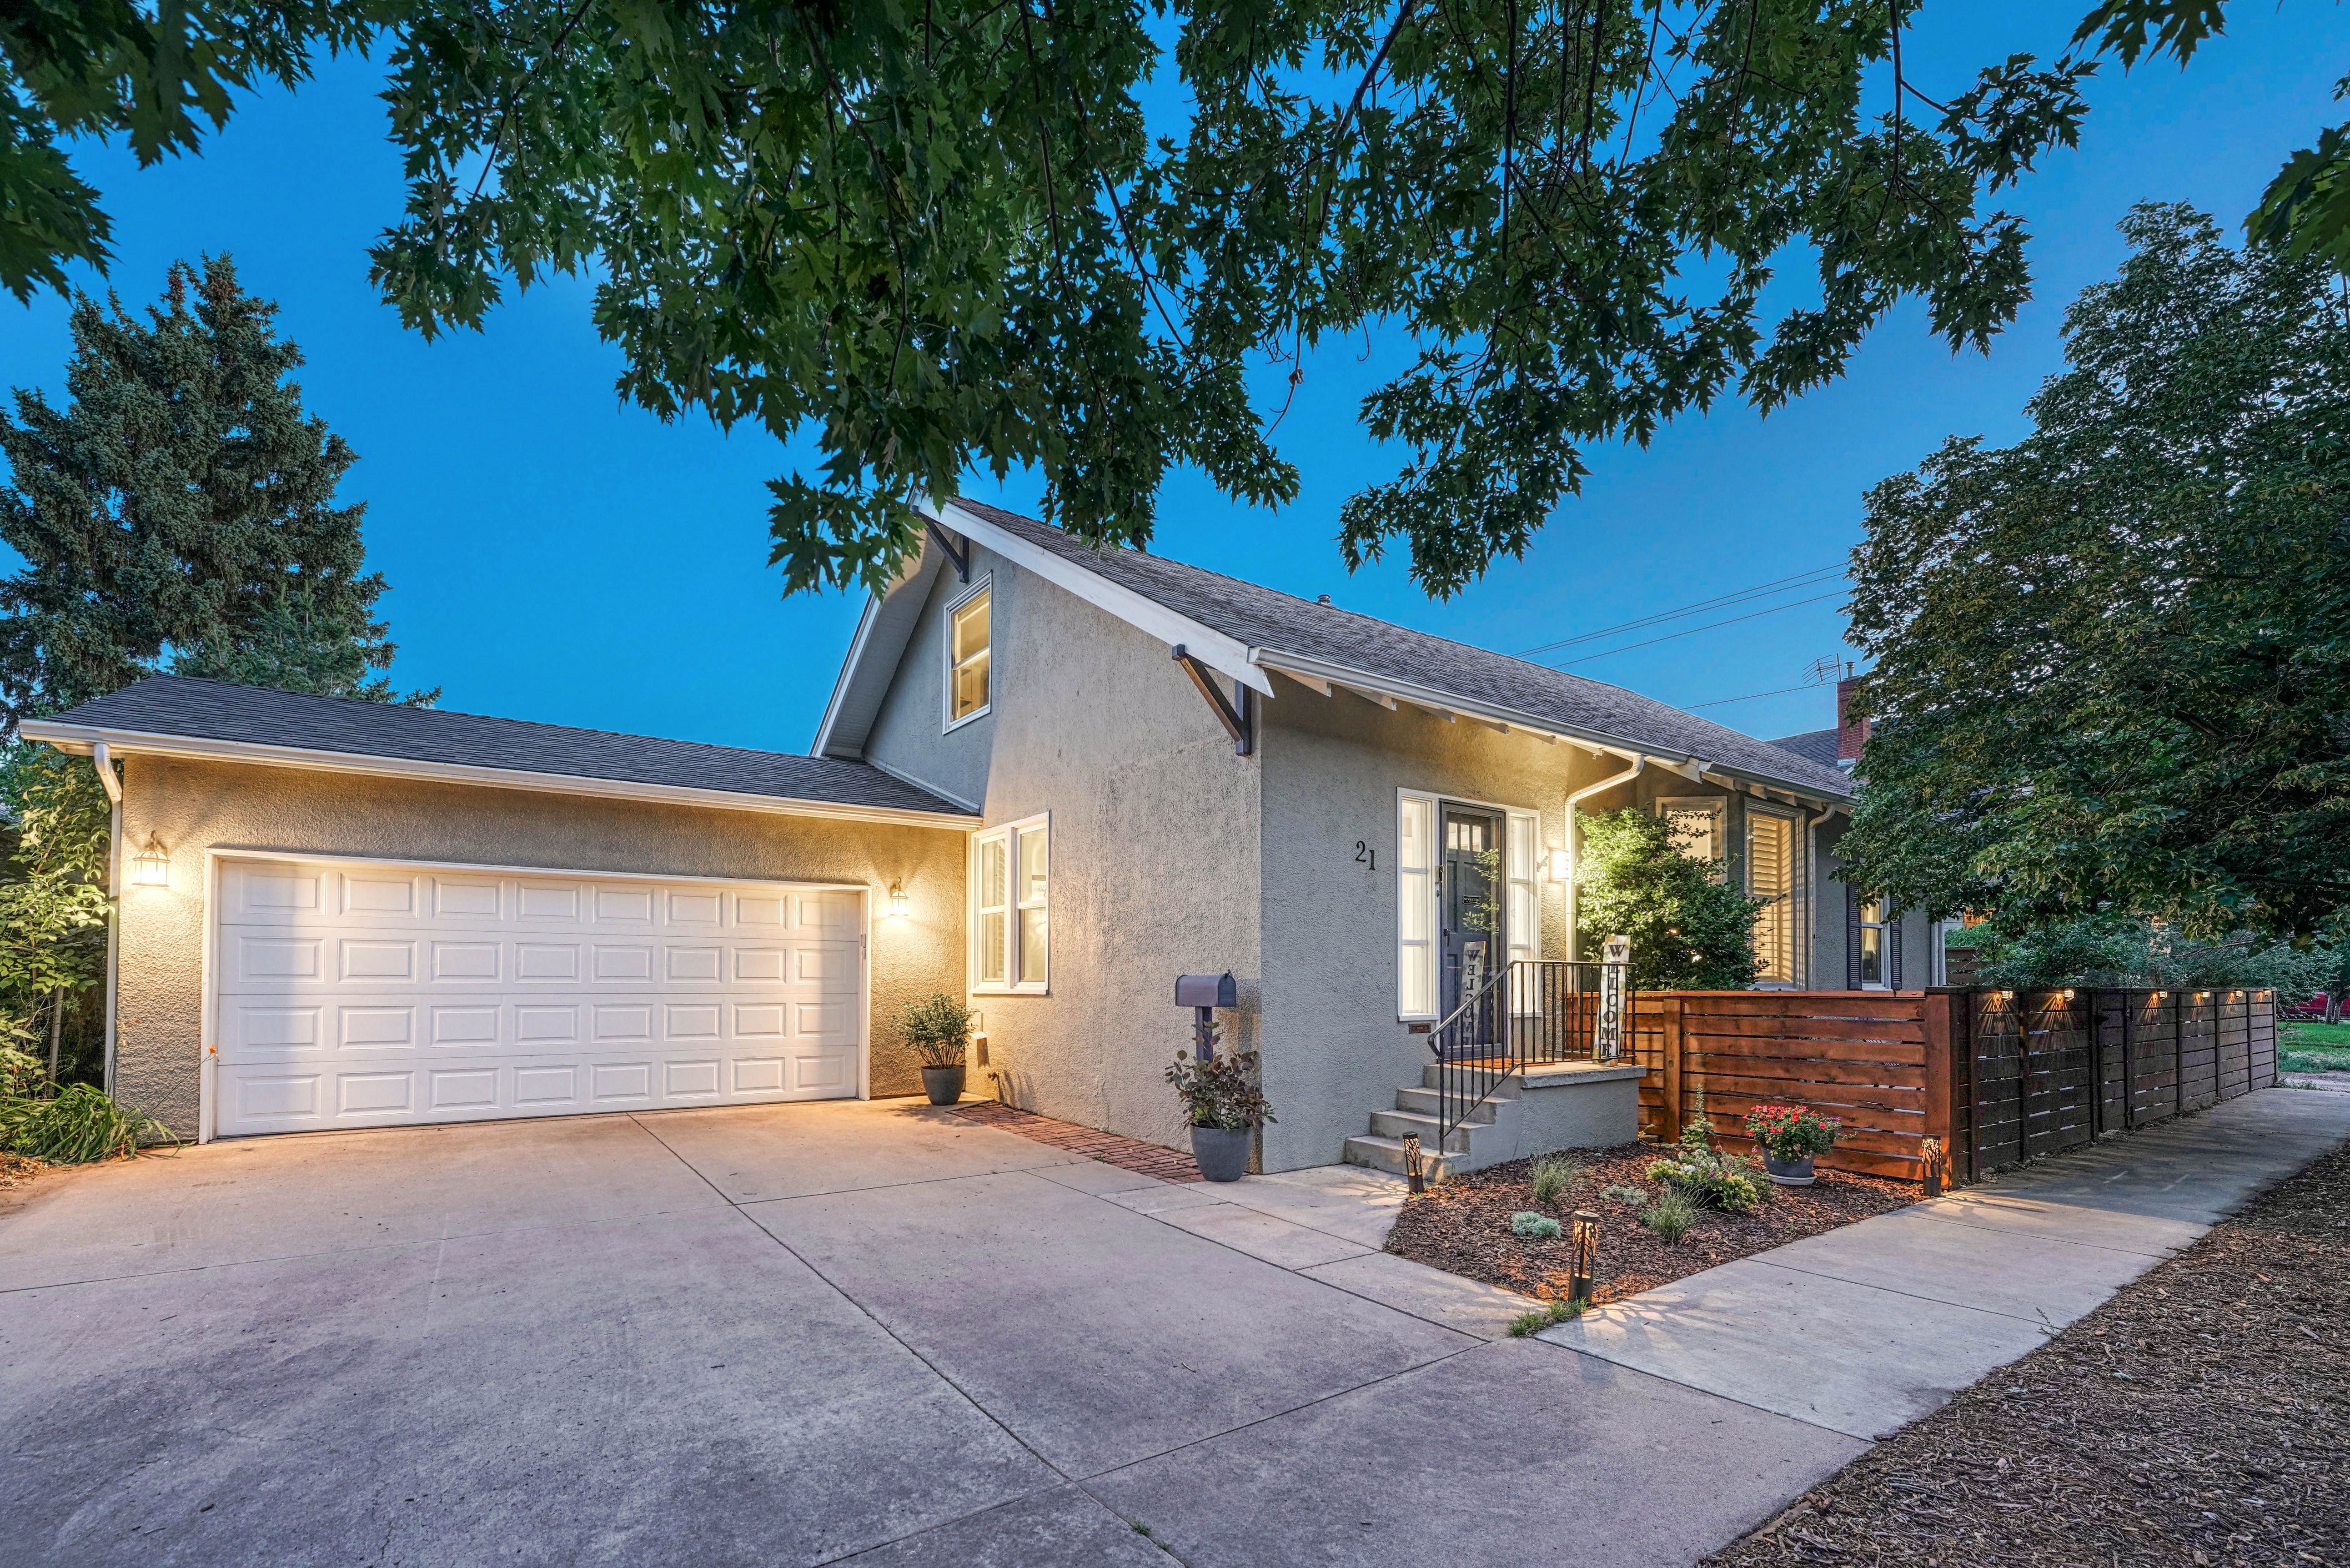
x,y
103,759
1575,842
81,740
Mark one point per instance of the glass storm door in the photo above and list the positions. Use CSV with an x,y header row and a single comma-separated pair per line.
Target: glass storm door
x,y
1468,909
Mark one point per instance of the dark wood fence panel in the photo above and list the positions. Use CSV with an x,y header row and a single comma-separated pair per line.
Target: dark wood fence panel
x,y
1999,1077
1861,1057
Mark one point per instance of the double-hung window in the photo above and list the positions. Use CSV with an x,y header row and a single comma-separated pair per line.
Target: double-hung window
x,y
970,684
1877,958
1012,907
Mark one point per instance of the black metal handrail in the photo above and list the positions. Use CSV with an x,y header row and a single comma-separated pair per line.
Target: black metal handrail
x,y
1527,1012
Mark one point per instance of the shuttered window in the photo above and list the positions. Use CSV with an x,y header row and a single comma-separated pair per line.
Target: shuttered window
x,y
1771,874
1415,905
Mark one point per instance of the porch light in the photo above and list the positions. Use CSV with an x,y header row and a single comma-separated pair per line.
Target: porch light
x,y
1414,1168
1586,1243
151,867
897,901
1562,865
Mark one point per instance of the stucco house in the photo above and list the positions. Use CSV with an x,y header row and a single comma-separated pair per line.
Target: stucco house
x,y
1048,779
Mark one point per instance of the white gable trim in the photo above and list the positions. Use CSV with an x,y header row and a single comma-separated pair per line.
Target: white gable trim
x,y
1214,648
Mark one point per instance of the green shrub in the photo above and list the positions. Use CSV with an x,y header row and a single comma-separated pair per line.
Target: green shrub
x,y
938,1027
75,1125
1692,928
1711,1178
1553,1174
1541,1226
1671,1216
1631,1197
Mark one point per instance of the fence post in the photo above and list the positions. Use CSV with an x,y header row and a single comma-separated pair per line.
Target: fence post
x,y
1963,1050
1939,1071
2177,1056
1668,1116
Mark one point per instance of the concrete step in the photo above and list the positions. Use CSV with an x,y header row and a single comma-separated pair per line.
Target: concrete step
x,y
1432,1077
1386,1154
1394,1124
1427,1102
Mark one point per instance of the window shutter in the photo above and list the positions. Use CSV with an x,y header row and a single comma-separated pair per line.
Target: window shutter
x,y
1415,905
1521,915
1851,938
1892,951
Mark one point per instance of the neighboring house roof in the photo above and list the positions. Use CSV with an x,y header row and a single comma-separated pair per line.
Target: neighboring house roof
x,y
1814,745
1245,629
175,715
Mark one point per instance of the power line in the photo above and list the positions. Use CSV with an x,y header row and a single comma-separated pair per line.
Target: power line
x,y
1720,601
1693,631
1752,696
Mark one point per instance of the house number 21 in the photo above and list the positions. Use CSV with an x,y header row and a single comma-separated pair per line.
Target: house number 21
x,y
1366,855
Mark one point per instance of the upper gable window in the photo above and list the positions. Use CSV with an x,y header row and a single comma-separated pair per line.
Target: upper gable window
x,y
970,688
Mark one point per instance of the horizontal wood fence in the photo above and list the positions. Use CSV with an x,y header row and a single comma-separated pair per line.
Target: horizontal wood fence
x,y
1997,1076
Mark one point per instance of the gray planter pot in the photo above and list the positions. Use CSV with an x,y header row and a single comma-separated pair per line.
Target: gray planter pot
x,y
944,1085
1222,1154
1789,1172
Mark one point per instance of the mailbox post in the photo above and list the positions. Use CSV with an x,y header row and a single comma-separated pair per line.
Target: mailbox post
x,y
1203,993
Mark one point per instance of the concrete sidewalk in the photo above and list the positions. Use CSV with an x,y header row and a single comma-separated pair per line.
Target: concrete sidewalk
x,y
1866,1328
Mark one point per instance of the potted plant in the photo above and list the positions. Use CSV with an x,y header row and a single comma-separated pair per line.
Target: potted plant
x,y
1224,1106
939,1028
1789,1137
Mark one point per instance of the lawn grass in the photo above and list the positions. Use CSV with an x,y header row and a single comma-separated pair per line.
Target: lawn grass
x,y
2314,1047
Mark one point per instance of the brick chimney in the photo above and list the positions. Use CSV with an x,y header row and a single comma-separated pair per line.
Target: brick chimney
x,y
1851,733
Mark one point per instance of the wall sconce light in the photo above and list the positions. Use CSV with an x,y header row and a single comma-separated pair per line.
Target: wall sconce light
x,y
1562,865
1415,1169
151,867
897,901
1585,1242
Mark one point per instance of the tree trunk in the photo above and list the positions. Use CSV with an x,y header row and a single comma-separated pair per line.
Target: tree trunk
x,y
2332,1007
56,1028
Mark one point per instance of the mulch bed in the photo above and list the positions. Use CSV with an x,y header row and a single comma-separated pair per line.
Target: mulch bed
x,y
1462,1225
2201,1416
1126,1153
16,1169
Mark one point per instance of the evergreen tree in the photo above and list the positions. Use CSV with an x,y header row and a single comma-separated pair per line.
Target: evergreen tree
x,y
179,512
1691,929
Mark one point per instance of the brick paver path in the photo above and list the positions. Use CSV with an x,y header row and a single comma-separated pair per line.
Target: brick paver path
x,y
1126,1153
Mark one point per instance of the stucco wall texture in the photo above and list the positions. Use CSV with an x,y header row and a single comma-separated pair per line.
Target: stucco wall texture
x,y
1154,843
194,806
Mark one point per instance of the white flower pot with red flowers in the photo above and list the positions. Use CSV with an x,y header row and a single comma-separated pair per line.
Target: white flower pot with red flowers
x,y
1790,1137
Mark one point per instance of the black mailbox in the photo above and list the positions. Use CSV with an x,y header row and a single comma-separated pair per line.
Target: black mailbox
x,y
1206,991
1203,993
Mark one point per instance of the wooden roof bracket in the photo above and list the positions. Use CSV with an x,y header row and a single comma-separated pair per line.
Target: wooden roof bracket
x,y
1239,719
958,556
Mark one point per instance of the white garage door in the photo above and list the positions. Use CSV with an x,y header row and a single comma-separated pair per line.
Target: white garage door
x,y
350,996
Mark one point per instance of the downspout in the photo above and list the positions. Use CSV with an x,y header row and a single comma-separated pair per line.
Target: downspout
x,y
104,759
1575,845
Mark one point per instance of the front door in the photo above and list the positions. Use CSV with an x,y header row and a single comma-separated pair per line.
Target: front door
x,y
1469,907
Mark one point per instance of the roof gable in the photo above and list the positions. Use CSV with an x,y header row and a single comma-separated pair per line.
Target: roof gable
x,y
1256,629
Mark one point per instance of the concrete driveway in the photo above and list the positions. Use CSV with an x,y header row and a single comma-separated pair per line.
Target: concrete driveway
x,y
800,1335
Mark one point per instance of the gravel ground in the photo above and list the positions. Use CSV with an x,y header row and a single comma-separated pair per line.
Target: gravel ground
x,y
1463,1225
2202,1416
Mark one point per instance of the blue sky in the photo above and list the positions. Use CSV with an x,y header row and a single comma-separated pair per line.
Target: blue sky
x,y
555,555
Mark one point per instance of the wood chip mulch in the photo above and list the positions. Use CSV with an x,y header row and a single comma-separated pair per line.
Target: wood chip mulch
x,y
1462,1226
16,1170
2200,1416
1110,1148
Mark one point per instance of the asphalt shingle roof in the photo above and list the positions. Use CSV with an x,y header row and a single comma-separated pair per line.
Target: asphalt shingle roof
x,y
1818,745
214,711
1283,623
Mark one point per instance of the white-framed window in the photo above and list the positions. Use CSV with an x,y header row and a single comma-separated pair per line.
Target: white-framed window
x,y
1010,914
1415,905
1773,872
1872,958
1522,911
970,684
1696,821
